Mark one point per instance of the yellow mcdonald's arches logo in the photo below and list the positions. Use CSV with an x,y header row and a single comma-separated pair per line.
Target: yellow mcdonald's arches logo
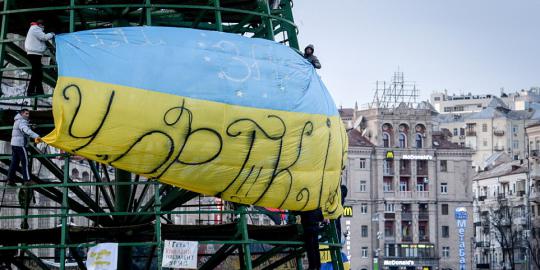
x,y
389,154
347,211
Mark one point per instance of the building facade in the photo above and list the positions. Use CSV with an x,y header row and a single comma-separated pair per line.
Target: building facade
x,y
467,103
490,131
410,191
501,212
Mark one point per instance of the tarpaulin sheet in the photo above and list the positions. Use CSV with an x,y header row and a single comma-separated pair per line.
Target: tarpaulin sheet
x,y
247,120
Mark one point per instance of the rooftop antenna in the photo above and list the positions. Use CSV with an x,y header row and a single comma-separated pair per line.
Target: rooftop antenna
x,y
398,91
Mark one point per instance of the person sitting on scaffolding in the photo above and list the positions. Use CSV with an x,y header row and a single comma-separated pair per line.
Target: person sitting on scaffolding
x,y
35,46
19,140
308,55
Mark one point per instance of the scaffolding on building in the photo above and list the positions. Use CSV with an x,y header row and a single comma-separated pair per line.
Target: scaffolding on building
x,y
396,92
49,225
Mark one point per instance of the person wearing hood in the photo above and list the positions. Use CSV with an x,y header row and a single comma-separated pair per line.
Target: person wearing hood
x,y
19,139
35,47
308,55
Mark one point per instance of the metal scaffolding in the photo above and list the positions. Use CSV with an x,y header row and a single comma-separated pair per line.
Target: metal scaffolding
x,y
115,205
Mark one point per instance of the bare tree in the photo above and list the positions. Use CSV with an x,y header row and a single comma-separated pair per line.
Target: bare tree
x,y
505,231
534,247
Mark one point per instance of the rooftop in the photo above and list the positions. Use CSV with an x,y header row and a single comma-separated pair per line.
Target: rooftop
x,y
357,140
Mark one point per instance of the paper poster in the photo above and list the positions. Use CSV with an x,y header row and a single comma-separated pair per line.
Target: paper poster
x,y
103,256
180,254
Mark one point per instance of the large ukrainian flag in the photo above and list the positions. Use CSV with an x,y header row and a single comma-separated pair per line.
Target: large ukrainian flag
x,y
247,120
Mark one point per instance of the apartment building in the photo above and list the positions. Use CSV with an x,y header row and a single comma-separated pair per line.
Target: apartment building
x,y
410,192
533,135
501,216
492,130
467,103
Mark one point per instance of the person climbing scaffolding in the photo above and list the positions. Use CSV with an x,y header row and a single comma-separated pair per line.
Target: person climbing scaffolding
x,y
19,139
35,47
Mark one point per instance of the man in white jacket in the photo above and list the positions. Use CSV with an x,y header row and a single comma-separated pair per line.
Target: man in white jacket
x,y
19,139
35,46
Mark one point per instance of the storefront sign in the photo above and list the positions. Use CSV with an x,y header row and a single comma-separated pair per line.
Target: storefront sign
x,y
389,155
398,263
417,157
461,219
180,254
347,211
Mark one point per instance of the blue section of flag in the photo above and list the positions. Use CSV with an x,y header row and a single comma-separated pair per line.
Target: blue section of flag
x,y
199,64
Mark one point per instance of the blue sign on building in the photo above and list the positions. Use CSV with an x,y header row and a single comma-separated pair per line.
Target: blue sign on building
x,y
461,219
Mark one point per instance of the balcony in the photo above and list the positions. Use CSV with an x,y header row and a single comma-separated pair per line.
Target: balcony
x,y
498,148
388,171
482,244
406,238
422,194
482,198
423,238
405,171
470,133
406,215
535,154
423,216
519,220
390,216
421,171
405,194
498,132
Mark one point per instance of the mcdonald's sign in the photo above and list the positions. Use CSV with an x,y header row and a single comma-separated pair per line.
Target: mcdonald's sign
x,y
389,155
347,211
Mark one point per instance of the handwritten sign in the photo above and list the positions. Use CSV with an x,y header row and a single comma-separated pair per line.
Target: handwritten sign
x,y
180,254
103,256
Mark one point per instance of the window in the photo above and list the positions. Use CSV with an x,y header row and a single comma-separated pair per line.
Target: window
x,y
386,139
444,209
363,208
362,163
418,140
387,185
514,129
445,231
444,166
362,186
364,231
402,140
389,228
455,131
461,131
515,144
389,207
437,98
444,188
484,142
364,252
390,250
404,184
447,109
446,252
484,127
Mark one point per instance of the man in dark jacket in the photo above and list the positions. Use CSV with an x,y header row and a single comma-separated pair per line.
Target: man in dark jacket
x,y
310,223
19,138
344,191
308,54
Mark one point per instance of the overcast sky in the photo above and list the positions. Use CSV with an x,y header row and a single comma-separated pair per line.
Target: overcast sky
x,y
464,46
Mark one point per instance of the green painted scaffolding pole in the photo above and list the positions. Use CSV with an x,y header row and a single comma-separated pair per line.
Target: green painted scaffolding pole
x,y
121,205
65,211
